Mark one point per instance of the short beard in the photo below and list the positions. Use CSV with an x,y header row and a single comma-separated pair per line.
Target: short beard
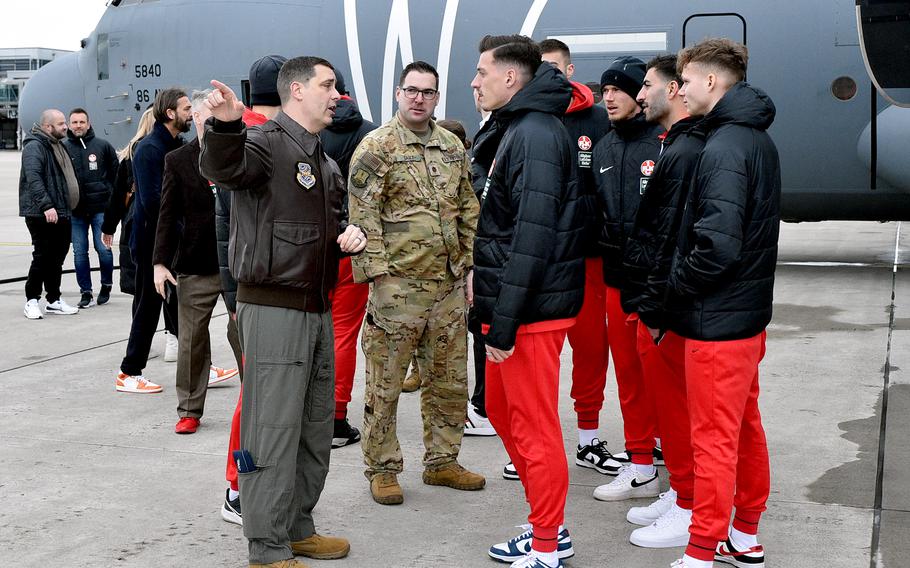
x,y
182,125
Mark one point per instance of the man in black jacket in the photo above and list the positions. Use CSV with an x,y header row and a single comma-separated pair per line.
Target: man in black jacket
x,y
623,164
185,241
287,231
349,299
95,162
48,192
528,283
647,258
586,124
722,286
172,117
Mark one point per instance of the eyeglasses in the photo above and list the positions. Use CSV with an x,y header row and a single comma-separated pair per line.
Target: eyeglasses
x,y
412,92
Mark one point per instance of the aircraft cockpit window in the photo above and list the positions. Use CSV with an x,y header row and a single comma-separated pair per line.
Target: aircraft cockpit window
x,y
102,57
843,88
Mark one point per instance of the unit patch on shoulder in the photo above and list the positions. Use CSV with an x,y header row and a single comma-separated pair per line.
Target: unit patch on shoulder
x,y
359,177
305,176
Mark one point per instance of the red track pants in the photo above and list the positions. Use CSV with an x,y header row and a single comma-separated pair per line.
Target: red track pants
x,y
664,370
234,444
523,405
590,351
731,454
636,403
349,304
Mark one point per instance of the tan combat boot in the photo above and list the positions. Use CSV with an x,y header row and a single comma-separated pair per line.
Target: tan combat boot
x,y
322,547
454,476
292,563
385,489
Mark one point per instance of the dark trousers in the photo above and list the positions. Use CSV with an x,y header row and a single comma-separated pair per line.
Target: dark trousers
x,y
286,424
50,245
480,362
146,311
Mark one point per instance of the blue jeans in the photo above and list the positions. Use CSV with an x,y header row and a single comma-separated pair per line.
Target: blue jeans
x,y
80,252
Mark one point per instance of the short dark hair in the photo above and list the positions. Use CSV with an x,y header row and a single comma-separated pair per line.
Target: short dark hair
x,y
517,50
167,100
720,53
665,65
79,110
552,45
299,70
457,129
419,67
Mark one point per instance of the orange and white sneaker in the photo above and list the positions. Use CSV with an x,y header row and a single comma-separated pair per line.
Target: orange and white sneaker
x,y
136,384
219,375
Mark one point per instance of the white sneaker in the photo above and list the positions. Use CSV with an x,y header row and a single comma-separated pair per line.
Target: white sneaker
x,y
628,485
60,307
135,384
477,425
170,347
32,310
671,529
644,516
218,375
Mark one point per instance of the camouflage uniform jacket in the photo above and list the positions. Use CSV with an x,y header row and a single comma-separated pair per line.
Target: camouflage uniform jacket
x,y
415,204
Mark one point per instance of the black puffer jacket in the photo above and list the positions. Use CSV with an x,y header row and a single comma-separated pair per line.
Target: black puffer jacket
x,y
340,139
95,162
649,250
119,210
722,282
587,123
528,257
623,163
42,185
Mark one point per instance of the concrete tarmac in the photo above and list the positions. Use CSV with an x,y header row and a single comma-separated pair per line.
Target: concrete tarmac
x,y
91,477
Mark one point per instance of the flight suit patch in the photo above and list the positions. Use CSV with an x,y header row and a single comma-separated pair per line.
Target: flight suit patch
x,y
305,176
359,177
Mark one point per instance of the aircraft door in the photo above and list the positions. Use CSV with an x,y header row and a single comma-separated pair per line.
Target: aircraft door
x,y
114,88
698,27
884,37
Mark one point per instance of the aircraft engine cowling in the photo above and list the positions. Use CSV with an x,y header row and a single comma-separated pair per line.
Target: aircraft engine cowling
x,y
893,140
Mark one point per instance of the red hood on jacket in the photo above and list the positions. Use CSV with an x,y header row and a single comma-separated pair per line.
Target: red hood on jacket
x,y
582,97
251,118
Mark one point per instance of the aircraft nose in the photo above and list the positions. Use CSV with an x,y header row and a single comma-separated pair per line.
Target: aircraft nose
x,y
56,85
893,166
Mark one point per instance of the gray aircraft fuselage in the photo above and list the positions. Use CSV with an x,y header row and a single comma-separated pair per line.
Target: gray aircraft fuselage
x,y
796,52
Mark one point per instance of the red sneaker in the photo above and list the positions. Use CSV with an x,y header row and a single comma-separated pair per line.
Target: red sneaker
x,y
186,425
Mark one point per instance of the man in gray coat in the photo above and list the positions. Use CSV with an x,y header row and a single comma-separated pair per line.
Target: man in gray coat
x,y
48,192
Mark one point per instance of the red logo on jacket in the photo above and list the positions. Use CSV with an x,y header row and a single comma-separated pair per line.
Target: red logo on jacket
x,y
584,143
647,167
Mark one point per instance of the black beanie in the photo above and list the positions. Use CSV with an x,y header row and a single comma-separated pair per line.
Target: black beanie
x,y
264,81
339,83
627,74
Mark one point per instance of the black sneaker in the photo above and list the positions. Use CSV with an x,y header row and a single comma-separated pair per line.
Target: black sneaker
x,y
594,456
618,460
510,472
105,295
345,434
87,301
752,558
230,511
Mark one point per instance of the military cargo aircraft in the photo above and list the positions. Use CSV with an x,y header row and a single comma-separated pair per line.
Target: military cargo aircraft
x,y
838,70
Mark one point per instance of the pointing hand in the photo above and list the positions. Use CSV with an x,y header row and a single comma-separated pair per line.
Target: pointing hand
x,y
223,103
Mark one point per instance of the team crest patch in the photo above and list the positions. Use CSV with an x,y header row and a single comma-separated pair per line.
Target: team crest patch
x,y
584,143
305,176
647,167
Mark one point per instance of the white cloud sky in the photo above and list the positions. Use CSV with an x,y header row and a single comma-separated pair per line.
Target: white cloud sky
x,y
57,24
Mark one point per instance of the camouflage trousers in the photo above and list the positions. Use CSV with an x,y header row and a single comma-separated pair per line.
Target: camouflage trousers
x,y
405,315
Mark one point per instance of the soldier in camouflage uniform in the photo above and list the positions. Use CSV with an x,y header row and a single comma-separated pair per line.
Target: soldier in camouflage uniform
x,y
410,192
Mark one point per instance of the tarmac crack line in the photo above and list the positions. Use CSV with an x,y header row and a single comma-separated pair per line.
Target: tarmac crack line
x,y
875,560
